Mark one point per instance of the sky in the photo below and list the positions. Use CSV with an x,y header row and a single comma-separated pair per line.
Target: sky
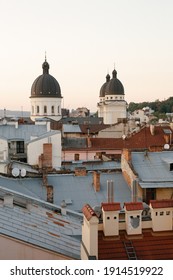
x,y
84,40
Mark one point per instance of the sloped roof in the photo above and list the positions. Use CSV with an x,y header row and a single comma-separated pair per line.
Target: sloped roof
x,y
164,203
88,212
131,206
24,131
148,247
77,189
42,227
153,167
113,206
140,140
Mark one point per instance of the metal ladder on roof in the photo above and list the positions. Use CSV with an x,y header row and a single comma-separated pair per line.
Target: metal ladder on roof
x,y
130,250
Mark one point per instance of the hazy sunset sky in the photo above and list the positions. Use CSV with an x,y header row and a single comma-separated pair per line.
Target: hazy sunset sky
x,y
83,40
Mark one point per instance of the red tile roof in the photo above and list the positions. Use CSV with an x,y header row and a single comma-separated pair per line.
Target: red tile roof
x,y
140,140
164,203
88,212
131,206
149,246
113,206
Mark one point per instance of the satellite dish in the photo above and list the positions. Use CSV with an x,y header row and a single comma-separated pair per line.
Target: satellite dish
x,y
166,147
23,172
15,172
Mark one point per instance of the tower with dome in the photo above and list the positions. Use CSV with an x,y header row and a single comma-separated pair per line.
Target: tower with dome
x,y
45,96
112,106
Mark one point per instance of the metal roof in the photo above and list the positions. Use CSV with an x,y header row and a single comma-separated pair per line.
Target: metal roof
x,y
92,165
24,132
153,168
71,128
78,190
42,227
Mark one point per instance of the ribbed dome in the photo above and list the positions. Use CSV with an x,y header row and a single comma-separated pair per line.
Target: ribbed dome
x,y
102,90
45,85
114,86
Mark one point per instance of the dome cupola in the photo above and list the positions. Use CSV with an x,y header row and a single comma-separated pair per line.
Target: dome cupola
x,y
114,86
45,85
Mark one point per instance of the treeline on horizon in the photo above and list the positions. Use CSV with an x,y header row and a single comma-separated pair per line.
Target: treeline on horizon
x,y
160,107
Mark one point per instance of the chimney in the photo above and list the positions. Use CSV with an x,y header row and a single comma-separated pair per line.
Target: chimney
x,y
127,154
89,145
89,244
96,181
49,189
8,200
110,191
134,191
80,171
152,129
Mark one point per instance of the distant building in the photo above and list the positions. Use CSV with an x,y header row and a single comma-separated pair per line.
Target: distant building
x,y
45,96
112,106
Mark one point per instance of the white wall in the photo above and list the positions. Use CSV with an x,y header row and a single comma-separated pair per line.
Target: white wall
x,y
35,149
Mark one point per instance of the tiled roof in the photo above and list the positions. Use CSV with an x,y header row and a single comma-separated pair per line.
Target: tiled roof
x,y
149,246
113,206
88,212
164,203
140,140
131,206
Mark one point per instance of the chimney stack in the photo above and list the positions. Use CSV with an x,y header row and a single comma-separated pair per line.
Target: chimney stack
x,y
110,191
96,181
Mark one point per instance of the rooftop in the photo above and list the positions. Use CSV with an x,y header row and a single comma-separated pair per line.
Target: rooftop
x,y
42,226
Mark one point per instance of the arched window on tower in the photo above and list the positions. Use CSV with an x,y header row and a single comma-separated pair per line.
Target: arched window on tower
x,y
53,110
45,109
38,110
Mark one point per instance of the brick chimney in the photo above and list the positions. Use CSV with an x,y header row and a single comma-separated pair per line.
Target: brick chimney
x,y
127,154
96,181
80,171
49,189
152,129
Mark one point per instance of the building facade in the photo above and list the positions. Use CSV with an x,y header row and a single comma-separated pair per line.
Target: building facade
x,y
112,106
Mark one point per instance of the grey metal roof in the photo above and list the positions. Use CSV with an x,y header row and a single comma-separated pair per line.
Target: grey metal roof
x,y
23,131
78,189
71,128
42,227
92,165
154,167
47,134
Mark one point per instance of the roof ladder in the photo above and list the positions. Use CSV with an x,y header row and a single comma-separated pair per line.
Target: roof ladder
x,y
130,250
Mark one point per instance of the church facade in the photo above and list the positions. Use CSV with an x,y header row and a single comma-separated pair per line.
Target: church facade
x,y
112,106
45,96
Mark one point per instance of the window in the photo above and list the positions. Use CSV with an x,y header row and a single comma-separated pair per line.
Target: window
x,y
115,218
20,147
108,218
52,109
45,109
156,213
161,213
38,110
167,213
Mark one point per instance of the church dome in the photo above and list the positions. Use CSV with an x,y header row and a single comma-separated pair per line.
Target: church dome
x,y
45,85
102,90
114,86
